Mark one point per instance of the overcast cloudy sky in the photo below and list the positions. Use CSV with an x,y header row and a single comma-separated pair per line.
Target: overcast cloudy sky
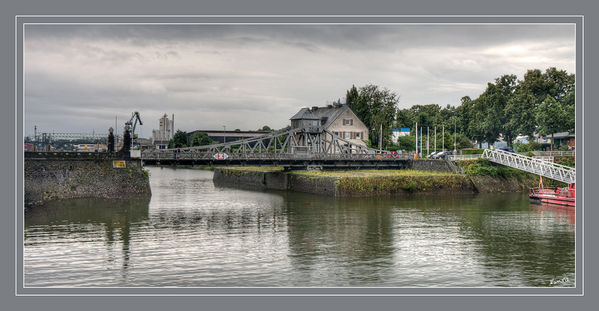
x,y
79,77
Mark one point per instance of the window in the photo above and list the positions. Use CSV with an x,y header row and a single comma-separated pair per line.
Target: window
x,y
347,135
358,135
347,122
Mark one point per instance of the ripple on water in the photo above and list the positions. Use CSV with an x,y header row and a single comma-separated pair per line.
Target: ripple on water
x,y
194,234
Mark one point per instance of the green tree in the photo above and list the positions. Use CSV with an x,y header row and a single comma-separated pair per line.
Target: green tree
x,y
550,117
568,104
404,118
463,115
265,128
352,97
376,107
520,114
201,139
179,140
407,142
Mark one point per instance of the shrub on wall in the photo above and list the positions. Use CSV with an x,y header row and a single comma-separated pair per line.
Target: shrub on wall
x,y
472,151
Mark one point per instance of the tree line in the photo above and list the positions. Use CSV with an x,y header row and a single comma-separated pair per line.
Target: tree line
x,y
542,102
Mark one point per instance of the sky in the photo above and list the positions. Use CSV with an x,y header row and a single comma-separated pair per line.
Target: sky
x,y
78,78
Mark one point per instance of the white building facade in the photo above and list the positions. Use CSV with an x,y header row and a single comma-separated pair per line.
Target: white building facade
x,y
164,133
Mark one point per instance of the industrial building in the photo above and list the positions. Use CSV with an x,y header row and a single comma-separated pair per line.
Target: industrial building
x,y
164,133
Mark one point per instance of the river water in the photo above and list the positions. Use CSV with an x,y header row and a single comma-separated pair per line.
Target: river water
x,y
193,234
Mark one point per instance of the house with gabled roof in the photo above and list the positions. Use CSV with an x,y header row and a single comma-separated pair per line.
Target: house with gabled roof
x,y
338,118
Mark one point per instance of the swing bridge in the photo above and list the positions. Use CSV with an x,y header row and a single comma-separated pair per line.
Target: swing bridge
x,y
294,148
318,147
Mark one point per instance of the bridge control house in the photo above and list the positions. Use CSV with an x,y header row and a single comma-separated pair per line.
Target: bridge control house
x,y
339,119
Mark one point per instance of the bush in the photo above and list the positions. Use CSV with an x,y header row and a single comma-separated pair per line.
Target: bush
x,y
534,146
472,151
567,161
486,168
564,148
393,148
520,147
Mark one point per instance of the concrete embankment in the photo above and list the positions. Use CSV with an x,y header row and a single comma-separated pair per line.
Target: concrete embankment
x,y
429,177
53,176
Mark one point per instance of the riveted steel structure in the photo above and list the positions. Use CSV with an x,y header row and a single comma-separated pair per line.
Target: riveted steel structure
x,y
308,145
298,141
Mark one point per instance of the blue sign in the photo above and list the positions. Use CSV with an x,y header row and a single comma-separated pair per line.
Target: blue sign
x,y
405,129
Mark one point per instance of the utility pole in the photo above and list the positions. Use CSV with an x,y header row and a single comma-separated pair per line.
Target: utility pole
x,y
427,141
421,140
443,138
381,139
435,138
416,127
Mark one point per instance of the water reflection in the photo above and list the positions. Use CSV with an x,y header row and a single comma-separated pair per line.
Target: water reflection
x,y
192,233
82,219
339,238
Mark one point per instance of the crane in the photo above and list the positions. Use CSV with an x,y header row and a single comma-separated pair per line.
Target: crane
x,y
133,122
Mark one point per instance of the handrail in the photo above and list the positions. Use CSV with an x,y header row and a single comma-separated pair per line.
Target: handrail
x,y
536,166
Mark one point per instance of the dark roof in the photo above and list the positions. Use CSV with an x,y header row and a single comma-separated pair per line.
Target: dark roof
x,y
331,113
562,135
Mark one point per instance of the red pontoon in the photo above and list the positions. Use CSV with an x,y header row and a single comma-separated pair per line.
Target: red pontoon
x,y
554,195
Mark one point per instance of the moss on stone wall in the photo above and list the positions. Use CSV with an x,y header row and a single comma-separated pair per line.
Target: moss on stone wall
x,y
52,179
384,185
482,176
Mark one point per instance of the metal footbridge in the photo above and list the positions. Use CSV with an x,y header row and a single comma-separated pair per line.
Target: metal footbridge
x,y
536,166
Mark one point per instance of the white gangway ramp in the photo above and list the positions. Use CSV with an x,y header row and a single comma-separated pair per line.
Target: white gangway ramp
x,y
536,166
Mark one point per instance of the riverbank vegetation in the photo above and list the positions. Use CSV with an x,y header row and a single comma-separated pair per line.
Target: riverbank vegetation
x,y
371,173
255,168
542,102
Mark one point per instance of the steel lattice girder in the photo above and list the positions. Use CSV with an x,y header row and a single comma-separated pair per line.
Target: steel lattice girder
x,y
314,140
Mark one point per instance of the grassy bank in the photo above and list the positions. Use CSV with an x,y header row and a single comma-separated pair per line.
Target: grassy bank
x,y
500,173
385,182
371,173
255,168
478,176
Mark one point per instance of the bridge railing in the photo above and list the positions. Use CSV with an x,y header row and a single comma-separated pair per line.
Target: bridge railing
x,y
555,153
464,157
161,155
536,166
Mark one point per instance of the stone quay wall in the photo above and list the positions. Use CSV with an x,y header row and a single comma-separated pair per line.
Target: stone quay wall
x,y
63,175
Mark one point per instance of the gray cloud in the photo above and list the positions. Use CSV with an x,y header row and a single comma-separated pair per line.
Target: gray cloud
x,y
79,77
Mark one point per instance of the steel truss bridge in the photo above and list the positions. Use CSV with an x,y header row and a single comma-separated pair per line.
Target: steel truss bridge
x,y
294,148
536,166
